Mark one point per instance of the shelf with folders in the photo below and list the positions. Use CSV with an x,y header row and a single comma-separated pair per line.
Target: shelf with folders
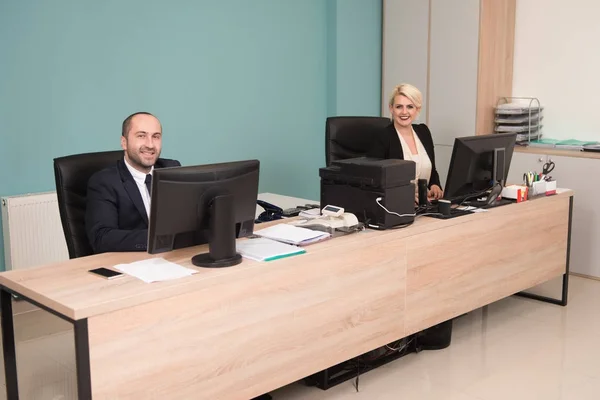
x,y
520,115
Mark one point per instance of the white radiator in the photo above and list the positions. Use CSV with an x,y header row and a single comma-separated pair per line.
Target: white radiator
x,y
33,233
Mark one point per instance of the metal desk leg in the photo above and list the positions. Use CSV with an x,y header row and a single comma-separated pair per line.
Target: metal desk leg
x,y
8,343
82,360
82,348
565,283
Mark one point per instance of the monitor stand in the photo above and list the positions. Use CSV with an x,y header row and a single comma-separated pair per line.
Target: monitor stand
x,y
491,201
498,177
221,242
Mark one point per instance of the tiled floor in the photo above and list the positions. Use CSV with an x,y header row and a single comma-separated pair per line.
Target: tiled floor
x,y
513,349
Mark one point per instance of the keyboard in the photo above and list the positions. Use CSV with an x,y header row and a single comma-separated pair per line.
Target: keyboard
x,y
483,204
474,203
454,212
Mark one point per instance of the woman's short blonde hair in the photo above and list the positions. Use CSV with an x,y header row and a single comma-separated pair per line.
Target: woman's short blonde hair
x,y
410,92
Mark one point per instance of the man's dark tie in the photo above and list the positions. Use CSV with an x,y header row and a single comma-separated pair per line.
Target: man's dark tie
x,y
149,182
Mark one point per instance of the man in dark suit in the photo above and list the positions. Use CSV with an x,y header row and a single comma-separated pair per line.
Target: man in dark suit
x,y
118,197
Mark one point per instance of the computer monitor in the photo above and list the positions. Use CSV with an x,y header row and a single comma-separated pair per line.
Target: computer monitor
x,y
214,204
479,163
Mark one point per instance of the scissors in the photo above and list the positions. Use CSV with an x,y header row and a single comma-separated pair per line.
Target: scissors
x,y
548,167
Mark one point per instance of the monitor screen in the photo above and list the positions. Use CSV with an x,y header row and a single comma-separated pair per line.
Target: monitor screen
x,y
478,163
193,205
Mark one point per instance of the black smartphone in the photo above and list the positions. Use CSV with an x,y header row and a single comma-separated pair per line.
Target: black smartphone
x,y
106,273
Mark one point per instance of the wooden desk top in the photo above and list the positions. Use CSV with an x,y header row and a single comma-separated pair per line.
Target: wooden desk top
x,y
69,289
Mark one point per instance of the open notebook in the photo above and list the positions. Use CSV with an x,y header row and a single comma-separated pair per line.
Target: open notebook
x,y
292,234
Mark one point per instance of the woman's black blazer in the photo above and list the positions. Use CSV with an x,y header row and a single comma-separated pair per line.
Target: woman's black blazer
x,y
387,145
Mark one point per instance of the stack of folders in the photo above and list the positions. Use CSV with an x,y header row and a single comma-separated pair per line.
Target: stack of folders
x,y
263,249
292,234
569,144
523,119
278,241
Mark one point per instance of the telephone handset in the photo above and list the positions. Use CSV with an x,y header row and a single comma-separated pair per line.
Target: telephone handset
x,y
271,213
269,207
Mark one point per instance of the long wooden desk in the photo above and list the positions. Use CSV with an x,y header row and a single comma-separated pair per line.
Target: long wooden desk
x,y
238,332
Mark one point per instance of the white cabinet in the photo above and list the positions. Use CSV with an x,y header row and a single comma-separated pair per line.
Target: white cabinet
x,y
458,53
577,174
523,162
454,56
405,54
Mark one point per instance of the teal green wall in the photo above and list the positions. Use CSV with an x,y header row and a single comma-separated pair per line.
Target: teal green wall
x,y
229,80
354,57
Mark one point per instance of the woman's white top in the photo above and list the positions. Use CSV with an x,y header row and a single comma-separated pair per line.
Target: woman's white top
x,y
421,159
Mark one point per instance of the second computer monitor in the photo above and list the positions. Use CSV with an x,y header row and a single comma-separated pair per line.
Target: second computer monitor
x,y
214,204
478,163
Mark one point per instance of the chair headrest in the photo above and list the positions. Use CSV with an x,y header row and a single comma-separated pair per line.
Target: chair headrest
x,y
351,137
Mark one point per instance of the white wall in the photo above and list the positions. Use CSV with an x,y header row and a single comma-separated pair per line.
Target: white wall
x,y
404,55
557,59
434,45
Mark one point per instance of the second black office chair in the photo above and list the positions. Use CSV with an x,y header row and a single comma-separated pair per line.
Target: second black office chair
x,y
349,137
71,174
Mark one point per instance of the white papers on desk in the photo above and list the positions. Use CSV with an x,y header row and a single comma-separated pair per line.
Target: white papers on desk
x,y
155,270
263,249
292,234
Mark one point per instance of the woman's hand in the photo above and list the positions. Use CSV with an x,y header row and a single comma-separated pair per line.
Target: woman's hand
x,y
435,193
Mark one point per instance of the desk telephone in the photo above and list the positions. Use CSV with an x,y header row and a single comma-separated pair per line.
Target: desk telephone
x,y
332,218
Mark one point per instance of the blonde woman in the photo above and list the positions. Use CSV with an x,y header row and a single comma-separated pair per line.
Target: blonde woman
x,y
405,140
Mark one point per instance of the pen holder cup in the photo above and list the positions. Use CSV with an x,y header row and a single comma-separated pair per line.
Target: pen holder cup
x,y
538,188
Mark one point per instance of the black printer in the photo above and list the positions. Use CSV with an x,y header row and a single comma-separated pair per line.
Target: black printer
x,y
356,183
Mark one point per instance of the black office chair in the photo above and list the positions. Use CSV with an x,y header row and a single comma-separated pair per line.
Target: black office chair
x,y
349,137
71,174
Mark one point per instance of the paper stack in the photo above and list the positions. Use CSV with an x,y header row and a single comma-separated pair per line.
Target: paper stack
x,y
155,270
292,234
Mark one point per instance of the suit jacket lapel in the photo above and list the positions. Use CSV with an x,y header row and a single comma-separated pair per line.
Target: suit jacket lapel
x,y
395,146
424,140
132,190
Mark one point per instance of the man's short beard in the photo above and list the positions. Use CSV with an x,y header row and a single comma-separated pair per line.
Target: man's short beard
x,y
137,160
